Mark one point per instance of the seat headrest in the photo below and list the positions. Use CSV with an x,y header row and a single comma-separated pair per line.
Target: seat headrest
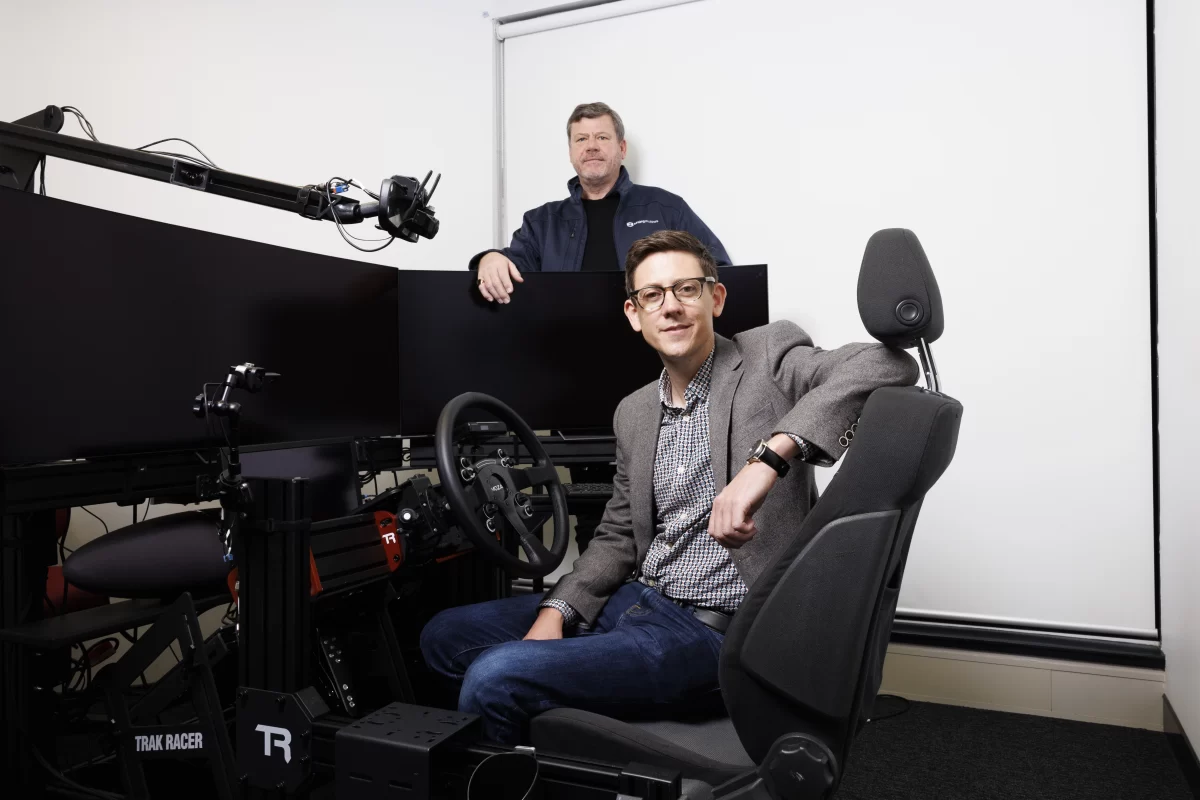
x,y
898,297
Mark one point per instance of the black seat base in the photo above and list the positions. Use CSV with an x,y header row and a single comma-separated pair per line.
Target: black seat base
x,y
705,750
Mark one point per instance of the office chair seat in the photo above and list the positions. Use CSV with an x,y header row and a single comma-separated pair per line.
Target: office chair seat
x,y
706,750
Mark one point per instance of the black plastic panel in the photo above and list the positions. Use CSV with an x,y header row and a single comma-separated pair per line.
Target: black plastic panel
x,y
808,638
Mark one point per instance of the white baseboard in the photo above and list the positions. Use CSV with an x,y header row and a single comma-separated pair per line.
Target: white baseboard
x,y
1125,696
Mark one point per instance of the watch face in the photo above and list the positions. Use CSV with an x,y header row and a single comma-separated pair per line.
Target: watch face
x,y
756,450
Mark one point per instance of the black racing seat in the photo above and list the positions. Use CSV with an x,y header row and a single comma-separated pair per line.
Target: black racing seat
x,y
803,657
158,558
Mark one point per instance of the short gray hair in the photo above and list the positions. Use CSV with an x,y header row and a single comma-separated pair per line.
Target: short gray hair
x,y
592,111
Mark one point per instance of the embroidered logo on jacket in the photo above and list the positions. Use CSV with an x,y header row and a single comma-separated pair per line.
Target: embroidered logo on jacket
x,y
639,222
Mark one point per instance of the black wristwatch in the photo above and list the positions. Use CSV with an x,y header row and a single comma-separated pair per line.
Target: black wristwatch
x,y
760,452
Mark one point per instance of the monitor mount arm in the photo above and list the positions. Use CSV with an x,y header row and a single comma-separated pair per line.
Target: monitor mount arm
x,y
234,491
402,209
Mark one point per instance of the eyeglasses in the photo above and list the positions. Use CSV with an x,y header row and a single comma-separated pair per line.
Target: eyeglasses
x,y
687,290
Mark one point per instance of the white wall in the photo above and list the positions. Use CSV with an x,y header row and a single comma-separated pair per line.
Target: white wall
x,y
1013,140
294,92
1177,46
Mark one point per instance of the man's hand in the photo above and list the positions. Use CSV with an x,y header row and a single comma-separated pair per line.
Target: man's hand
x,y
732,520
495,277
548,625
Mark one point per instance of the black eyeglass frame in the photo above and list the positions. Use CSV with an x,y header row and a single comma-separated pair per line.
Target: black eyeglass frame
x,y
704,279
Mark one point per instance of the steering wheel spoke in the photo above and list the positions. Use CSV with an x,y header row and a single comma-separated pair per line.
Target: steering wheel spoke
x,y
533,476
529,540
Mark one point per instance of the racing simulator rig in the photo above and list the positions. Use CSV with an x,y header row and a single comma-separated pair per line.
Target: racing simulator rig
x,y
311,688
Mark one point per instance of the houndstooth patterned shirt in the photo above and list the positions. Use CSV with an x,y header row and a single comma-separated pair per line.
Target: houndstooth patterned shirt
x,y
684,562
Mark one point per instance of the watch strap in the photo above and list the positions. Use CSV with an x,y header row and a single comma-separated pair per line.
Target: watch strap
x,y
766,455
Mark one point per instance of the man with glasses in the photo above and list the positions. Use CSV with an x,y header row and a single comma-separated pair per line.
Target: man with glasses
x,y
714,477
594,227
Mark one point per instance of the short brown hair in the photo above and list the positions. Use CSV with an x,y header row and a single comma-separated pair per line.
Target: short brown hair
x,y
592,111
667,242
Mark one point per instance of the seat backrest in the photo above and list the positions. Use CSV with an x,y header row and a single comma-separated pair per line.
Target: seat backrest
x,y
805,650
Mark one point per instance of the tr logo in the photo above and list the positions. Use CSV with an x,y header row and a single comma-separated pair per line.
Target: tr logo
x,y
389,537
270,732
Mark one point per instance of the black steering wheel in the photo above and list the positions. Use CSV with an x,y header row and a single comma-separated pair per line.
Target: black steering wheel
x,y
486,494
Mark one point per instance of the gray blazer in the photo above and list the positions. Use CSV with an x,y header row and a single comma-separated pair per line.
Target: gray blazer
x,y
765,381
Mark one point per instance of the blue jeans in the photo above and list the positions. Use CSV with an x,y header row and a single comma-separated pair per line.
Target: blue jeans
x,y
644,654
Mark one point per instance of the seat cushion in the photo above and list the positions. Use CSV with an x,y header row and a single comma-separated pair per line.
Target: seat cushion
x,y
705,750
695,790
159,558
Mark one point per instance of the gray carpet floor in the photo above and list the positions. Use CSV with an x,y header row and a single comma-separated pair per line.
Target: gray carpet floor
x,y
931,752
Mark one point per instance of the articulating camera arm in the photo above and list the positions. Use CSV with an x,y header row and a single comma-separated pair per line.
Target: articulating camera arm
x,y
402,209
235,492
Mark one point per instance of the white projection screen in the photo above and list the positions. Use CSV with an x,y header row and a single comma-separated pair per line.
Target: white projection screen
x,y
1012,139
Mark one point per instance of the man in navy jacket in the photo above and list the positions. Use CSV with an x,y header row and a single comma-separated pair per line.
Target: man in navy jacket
x,y
605,214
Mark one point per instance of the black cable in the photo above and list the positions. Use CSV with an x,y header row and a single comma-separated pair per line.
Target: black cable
x,y
83,122
102,522
210,162
90,132
80,671
42,190
333,215
85,662
230,615
146,513
367,192
905,707
181,157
